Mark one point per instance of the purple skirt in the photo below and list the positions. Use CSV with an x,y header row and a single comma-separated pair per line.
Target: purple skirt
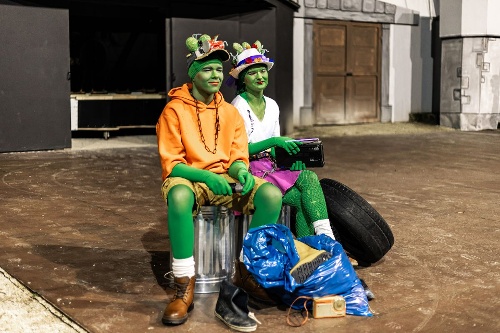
x,y
283,179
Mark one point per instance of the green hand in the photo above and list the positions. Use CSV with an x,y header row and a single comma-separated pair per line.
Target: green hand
x,y
218,184
297,166
291,147
247,180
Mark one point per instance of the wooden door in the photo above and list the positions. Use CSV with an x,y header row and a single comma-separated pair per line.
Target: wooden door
x,y
346,72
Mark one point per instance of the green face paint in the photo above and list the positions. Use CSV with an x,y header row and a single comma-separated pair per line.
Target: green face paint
x,y
256,79
209,79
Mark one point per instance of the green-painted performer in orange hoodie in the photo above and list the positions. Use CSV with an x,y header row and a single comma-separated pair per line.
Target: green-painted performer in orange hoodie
x,y
203,147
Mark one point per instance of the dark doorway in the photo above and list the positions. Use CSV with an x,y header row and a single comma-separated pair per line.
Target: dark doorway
x,y
117,53
34,65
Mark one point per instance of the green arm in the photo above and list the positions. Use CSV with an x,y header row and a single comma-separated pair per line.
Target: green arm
x,y
215,182
255,148
292,147
190,173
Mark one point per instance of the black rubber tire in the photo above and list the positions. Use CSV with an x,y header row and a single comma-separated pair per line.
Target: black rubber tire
x,y
364,234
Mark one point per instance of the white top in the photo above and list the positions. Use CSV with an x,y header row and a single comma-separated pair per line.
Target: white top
x,y
259,130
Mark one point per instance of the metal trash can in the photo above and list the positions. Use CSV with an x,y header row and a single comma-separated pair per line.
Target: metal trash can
x,y
218,239
214,247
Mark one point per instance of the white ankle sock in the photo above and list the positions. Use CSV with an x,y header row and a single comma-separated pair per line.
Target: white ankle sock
x,y
183,267
323,227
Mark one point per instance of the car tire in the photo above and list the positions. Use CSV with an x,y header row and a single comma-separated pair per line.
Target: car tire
x,y
362,231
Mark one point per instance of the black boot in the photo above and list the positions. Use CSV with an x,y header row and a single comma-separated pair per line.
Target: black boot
x,y
232,308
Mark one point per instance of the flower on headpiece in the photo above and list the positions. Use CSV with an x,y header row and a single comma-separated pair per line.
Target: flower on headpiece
x,y
247,55
257,45
203,44
245,46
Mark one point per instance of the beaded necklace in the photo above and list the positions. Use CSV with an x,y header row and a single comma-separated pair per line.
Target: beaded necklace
x,y
217,125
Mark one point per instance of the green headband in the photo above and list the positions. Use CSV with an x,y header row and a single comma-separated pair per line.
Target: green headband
x,y
198,65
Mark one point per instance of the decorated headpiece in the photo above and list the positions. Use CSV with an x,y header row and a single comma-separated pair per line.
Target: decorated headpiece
x,y
202,46
248,55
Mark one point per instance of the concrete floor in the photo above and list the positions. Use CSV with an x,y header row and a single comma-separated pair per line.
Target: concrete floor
x,y
84,229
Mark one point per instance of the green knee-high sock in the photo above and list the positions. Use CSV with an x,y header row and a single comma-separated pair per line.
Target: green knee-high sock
x,y
313,199
307,196
180,200
267,202
302,228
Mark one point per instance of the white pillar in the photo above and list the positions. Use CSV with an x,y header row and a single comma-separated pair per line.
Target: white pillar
x,y
470,64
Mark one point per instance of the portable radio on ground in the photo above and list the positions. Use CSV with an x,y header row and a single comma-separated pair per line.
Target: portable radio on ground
x,y
329,307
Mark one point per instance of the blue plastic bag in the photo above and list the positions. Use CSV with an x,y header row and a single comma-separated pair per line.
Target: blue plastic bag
x,y
269,253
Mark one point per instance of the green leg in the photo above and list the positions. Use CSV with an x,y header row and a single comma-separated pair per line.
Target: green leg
x,y
307,196
267,202
180,201
312,197
293,198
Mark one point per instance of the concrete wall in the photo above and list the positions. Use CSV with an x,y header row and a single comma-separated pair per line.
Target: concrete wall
x,y
400,82
426,8
470,88
471,56
469,18
411,70
451,65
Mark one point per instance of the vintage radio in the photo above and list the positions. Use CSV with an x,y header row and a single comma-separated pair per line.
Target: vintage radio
x,y
311,154
329,307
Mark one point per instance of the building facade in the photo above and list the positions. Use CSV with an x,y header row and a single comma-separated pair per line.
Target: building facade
x,y
383,61
359,61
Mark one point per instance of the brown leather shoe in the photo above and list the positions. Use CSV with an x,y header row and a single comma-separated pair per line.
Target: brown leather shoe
x,y
176,312
244,279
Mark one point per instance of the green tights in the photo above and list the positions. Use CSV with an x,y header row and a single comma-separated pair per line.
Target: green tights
x,y
180,198
307,197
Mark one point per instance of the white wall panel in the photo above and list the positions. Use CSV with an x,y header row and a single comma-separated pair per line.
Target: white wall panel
x,y
469,18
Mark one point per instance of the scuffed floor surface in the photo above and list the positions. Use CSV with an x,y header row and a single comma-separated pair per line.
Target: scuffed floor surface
x,y
22,311
86,229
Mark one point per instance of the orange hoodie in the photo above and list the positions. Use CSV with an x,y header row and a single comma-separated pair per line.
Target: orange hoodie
x,y
179,139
